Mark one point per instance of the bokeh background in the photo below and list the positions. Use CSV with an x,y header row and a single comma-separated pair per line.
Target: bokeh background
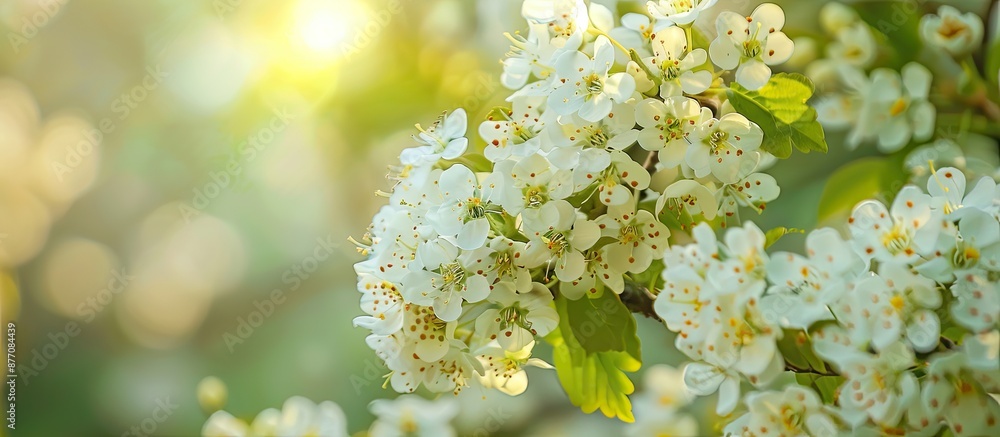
x,y
166,165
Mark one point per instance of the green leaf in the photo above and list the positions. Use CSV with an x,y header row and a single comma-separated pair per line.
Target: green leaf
x,y
772,236
827,387
634,56
859,180
791,352
594,381
993,61
780,109
601,324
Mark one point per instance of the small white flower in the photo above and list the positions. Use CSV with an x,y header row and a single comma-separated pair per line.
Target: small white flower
x,y
855,45
299,417
461,217
411,415
753,191
640,237
904,307
681,303
504,368
382,302
704,379
805,287
675,64
656,407
223,424
443,276
679,12
508,269
598,273
719,147
952,31
951,392
453,372
518,318
947,187
636,32
585,85
794,411
445,139
899,235
586,147
973,249
745,267
566,21
529,185
615,181
518,135
879,386
750,44
528,56
896,109
563,242
977,305
667,124
834,17
688,196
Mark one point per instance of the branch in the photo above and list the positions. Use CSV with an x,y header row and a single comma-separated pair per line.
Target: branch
x,y
793,368
639,300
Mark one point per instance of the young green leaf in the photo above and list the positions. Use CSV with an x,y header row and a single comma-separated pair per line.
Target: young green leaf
x,y
780,109
772,236
594,380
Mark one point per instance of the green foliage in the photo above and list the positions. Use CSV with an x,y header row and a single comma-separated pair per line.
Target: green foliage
x,y
826,386
781,111
594,346
993,62
859,180
797,350
602,324
772,236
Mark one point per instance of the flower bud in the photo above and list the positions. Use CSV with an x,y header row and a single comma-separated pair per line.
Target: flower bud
x,y
952,31
835,16
212,394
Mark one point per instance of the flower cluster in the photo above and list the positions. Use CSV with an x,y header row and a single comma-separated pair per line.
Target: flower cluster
x,y
905,312
569,190
407,415
884,106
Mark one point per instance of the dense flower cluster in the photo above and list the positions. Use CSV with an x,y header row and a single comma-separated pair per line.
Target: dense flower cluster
x,y
875,306
465,259
621,140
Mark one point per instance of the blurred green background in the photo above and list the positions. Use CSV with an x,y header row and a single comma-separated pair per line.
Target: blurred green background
x,y
198,156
